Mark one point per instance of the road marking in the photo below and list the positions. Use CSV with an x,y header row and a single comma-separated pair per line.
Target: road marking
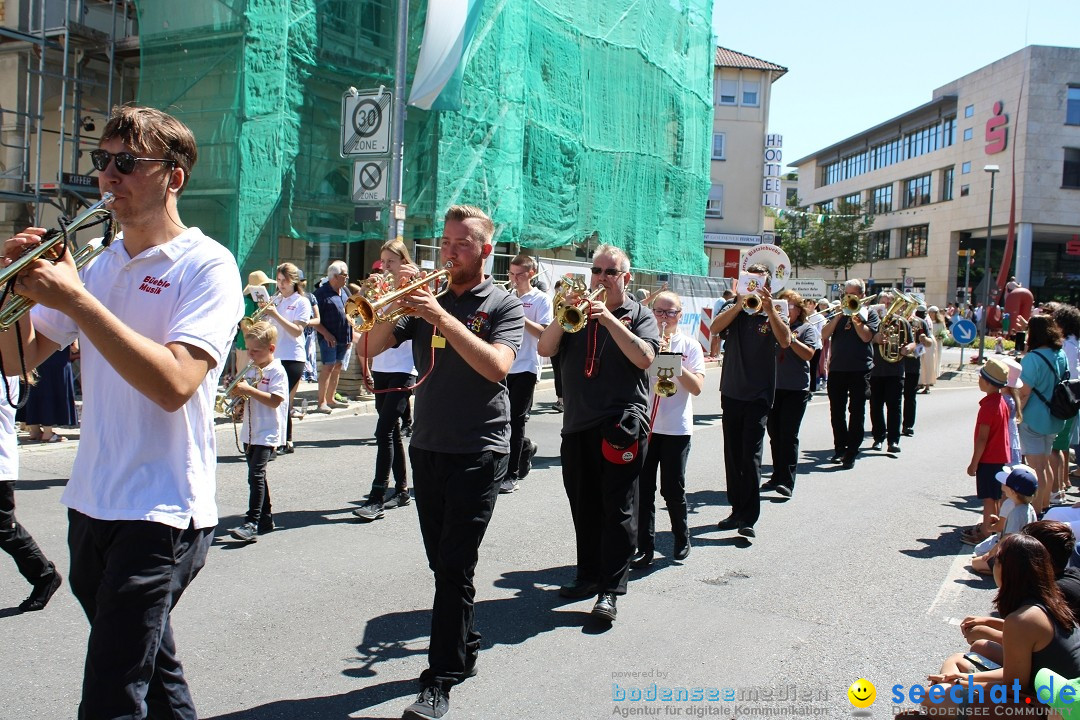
x,y
951,588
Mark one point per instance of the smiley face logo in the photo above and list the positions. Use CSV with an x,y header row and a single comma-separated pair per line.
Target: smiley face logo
x,y
862,693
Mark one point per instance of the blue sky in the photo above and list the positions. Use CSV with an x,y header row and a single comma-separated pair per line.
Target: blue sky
x,y
852,65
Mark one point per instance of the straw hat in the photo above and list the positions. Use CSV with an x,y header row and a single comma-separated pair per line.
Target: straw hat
x,y
995,372
255,279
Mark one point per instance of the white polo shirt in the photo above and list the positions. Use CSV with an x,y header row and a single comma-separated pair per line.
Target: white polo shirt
x,y
135,460
262,424
675,414
537,307
9,441
295,309
393,360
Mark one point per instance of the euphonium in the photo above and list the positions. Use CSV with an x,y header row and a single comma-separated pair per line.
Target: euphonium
x,y
234,406
247,322
572,318
48,248
895,327
372,311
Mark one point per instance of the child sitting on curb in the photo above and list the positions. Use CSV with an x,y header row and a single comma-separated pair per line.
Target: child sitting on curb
x,y
1021,484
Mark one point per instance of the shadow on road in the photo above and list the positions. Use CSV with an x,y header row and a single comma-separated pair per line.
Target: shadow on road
x,y
945,544
333,707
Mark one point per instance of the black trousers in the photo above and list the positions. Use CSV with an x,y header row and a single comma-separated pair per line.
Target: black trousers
x,y
668,453
556,371
259,510
455,496
885,396
521,387
744,438
847,409
911,389
815,362
785,419
128,575
294,370
390,450
603,504
16,541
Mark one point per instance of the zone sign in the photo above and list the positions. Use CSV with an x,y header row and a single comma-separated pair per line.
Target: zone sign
x,y
365,123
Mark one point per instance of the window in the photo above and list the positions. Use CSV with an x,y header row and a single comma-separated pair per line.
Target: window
x,y
715,206
910,145
825,207
878,245
965,168
1070,177
728,89
947,183
914,244
792,196
1072,107
750,92
854,201
968,134
917,191
965,190
882,202
969,111
719,140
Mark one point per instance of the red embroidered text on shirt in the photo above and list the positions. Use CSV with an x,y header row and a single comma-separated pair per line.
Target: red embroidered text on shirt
x,y
153,285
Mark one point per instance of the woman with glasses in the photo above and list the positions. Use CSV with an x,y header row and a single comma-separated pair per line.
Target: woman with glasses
x,y
669,444
793,380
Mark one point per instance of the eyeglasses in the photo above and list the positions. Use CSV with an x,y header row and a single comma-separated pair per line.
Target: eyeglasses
x,y
610,272
666,313
125,161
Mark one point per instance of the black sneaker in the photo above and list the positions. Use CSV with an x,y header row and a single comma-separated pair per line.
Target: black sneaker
x,y
508,485
247,532
43,591
578,589
266,526
399,499
908,432
729,523
527,455
432,702
747,531
369,511
876,447
783,490
605,609
894,447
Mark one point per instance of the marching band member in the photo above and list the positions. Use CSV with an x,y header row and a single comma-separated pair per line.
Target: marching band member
x,y
747,386
794,378
851,358
605,427
289,314
669,443
464,343
887,386
155,315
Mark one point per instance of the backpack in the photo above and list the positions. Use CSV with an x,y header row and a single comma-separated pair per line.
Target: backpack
x,y
1064,402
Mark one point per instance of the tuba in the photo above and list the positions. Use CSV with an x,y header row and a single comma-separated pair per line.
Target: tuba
x,y
895,327
370,304
572,318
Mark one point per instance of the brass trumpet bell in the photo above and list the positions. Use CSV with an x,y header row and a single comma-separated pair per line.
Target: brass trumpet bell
x,y
572,318
370,310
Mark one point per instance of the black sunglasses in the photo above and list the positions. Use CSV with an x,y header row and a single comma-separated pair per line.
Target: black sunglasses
x,y
125,161
610,272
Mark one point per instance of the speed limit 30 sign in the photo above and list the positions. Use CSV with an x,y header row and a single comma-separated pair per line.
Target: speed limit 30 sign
x,y
365,123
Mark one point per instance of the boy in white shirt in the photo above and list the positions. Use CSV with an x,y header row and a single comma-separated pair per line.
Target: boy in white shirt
x,y
265,418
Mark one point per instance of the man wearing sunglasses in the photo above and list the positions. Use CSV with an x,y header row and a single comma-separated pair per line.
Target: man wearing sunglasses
x,y
605,425
155,315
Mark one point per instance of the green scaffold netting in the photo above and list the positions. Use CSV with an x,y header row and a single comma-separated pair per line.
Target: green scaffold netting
x,y
573,125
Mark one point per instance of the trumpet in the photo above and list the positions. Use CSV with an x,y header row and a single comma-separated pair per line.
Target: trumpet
x,y
371,310
52,247
572,318
752,303
234,406
850,305
247,322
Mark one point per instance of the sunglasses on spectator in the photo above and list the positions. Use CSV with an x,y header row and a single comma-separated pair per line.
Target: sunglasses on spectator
x,y
610,272
125,161
666,313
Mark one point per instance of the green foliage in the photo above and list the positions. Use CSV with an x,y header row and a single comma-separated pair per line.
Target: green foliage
x,y
839,240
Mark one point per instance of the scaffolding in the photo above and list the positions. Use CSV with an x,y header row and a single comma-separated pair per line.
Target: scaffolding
x,y
65,63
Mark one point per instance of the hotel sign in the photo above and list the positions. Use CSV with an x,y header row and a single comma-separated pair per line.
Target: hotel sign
x,y
774,165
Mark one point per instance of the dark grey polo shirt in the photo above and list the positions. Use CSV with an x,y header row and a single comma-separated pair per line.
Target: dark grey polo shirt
x,y
617,385
792,372
750,348
849,353
457,409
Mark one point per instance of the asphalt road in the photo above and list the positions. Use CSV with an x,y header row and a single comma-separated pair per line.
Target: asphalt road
x,y
859,575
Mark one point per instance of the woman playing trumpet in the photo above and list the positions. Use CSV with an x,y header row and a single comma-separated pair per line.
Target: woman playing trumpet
x,y
669,444
289,314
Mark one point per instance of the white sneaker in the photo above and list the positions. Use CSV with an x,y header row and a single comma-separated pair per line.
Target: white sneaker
x,y
324,409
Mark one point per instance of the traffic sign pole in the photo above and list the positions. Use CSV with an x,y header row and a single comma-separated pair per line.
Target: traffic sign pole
x,y
396,226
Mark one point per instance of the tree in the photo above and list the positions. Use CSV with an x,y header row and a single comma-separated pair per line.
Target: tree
x,y
839,240
791,229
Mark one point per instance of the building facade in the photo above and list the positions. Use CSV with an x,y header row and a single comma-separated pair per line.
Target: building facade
x,y
735,214
926,177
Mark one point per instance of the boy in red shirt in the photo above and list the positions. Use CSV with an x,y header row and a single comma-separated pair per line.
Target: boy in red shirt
x,y
992,449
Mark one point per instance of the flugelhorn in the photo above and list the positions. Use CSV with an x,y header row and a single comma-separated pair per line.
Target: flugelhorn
x,y
247,322
52,247
234,406
572,318
371,311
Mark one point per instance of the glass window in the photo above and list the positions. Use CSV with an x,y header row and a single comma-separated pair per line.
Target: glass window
x,y
914,241
968,134
854,200
718,143
825,207
947,183
917,191
969,111
1072,107
878,245
965,168
750,92
1070,177
965,190
882,202
728,88
715,206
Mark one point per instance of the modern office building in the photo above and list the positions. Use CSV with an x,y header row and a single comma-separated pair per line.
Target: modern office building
x,y
735,214
924,175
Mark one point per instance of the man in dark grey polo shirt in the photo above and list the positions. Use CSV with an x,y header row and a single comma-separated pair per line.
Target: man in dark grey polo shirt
x,y
605,426
463,344
887,386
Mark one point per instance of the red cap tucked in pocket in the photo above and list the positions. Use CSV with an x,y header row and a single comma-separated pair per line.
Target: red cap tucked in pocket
x,y
619,456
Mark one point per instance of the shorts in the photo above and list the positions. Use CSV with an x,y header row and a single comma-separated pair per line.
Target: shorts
x,y
332,355
1064,438
986,485
1033,443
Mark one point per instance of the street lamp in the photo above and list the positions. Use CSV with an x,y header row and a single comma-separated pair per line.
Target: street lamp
x,y
993,170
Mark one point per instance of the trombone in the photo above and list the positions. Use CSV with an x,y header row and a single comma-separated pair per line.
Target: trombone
x,y
850,305
13,310
371,310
